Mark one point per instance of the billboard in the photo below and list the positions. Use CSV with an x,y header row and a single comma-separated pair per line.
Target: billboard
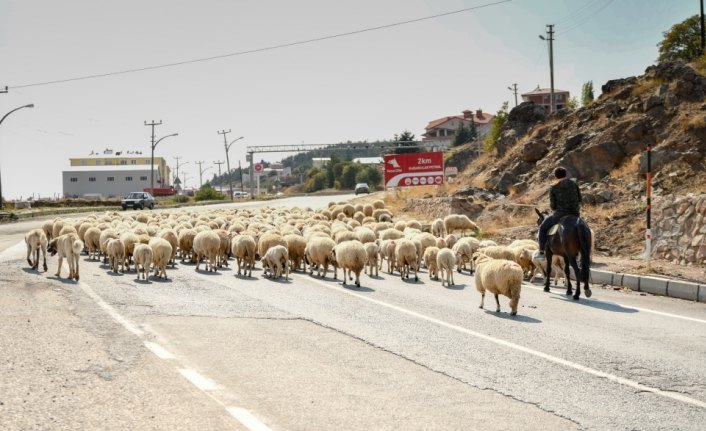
x,y
415,169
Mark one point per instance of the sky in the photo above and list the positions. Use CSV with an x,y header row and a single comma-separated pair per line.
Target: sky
x,y
364,86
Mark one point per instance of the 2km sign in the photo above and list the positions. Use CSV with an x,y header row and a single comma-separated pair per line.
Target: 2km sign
x,y
416,169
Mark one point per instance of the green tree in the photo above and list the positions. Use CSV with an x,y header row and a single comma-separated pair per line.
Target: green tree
x,y
370,175
330,169
498,122
316,182
407,138
464,134
572,104
681,42
208,193
587,93
350,172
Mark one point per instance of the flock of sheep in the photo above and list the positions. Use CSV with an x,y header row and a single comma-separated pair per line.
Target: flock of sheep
x,y
346,236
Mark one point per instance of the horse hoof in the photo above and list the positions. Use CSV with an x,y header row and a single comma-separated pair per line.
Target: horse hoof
x,y
588,293
546,289
576,297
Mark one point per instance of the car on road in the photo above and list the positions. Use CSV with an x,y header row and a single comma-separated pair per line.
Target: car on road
x,y
362,188
241,195
138,200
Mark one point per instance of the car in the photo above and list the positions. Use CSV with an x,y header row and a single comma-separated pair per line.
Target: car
x,y
138,200
362,188
241,195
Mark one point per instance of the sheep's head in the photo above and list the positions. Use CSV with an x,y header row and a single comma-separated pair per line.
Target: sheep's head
x,y
51,247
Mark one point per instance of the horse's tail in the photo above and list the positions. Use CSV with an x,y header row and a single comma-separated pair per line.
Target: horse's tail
x,y
586,241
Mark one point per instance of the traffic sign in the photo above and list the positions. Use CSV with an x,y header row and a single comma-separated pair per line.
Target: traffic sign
x,y
404,170
259,168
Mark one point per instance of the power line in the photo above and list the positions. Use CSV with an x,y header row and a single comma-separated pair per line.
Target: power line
x,y
256,50
588,17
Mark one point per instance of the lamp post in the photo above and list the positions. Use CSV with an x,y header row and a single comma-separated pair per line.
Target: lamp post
x,y
31,105
550,39
179,165
230,178
154,144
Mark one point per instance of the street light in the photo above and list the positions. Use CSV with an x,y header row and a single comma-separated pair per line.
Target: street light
x,y
152,162
230,178
31,105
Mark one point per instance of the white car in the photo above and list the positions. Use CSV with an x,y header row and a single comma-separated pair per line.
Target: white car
x,y
241,195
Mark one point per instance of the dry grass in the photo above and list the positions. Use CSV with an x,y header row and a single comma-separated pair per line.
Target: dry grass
x,y
396,199
693,122
629,168
503,219
645,86
700,65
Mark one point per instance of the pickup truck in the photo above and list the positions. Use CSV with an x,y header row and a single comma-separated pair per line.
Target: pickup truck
x,y
138,200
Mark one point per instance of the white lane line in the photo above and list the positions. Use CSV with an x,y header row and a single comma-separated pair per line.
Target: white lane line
x,y
504,343
247,419
111,311
629,307
198,380
158,350
6,254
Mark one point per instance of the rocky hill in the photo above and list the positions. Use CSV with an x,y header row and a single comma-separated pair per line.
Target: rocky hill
x,y
603,146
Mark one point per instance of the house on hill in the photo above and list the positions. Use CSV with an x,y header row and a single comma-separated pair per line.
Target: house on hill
x,y
542,97
441,131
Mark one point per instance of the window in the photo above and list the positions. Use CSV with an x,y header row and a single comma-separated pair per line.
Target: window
x,y
84,162
147,161
92,179
133,162
108,162
123,162
111,179
143,178
74,179
128,178
98,162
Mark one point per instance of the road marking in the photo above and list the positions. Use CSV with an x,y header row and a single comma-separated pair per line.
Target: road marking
x,y
198,380
630,307
111,311
158,350
504,343
247,419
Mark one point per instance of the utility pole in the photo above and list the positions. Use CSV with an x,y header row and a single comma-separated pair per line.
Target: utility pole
x,y
152,124
2,206
219,163
703,34
240,171
514,90
550,34
201,171
177,166
225,145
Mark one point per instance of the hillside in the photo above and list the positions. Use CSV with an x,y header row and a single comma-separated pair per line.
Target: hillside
x,y
603,146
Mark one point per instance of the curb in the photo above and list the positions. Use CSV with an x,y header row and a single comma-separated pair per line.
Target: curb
x,y
654,285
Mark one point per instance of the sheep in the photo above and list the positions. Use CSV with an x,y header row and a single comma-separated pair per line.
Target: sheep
x,y
378,204
186,244
36,240
116,254
390,234
528,243
438,228
430,262
445,262
460,222
365,234
142,255
414,224
103,239
523,256
351,256
406,258
441,243
267,240
130,240
368,210
400,225
498,252
498,276
345,235
296,244
276,261
171,236
451,240
373,251
224,250
318,252
67,246
243,249
463,252
207,244
541,266
161,254
387,251
48,228
488,243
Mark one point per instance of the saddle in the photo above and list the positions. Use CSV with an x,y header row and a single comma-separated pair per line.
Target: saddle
x,y
558,228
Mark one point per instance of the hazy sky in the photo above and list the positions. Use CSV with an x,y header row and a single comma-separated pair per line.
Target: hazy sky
x,y
363,86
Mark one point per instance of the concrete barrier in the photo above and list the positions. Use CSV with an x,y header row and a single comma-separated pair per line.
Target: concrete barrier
x,y
683,290
654,285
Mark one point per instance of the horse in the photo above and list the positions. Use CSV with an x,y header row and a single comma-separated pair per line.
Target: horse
x,y
573,237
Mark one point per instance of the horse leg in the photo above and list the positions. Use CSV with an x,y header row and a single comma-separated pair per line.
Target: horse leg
x,y
579,276
567,275
547,275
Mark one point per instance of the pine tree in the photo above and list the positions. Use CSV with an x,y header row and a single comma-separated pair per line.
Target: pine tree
x,y
587,93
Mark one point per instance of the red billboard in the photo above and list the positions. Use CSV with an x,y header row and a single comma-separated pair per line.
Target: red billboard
x,y
415,169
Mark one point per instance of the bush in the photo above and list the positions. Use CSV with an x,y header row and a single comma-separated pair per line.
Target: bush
x,y
208,193
316,182
181,199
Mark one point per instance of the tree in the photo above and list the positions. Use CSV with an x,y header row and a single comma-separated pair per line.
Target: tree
x,y
681,42
350,172
316,181
370,175
498,122
587,93
408,136
572,104
464,134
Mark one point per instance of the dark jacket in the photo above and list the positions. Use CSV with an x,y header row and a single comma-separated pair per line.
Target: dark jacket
x,y
565,197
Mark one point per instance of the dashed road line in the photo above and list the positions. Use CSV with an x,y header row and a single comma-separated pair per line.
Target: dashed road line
x,y
203,383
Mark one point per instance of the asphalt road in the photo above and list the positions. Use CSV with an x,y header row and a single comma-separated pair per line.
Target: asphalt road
x,y
217,351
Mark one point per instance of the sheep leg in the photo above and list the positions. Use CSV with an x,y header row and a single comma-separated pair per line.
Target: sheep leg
x,y
44,257
513,304
58,268
29,254
357,278
497,302
36,259
482,297
451,275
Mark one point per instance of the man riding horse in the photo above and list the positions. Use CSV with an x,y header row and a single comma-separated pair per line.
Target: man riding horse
x,y
564,199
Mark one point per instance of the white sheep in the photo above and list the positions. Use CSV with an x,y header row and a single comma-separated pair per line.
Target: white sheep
x,y
130,240
406,258
390,234
36,240
296,244
454,222
463,252
498,276
430,262
67,246
373,251
387,252
243,249
186,244
352,257
116,254
171,236
445,262
161,254
540,265
207,245
438,228
142,255
318,252
276,262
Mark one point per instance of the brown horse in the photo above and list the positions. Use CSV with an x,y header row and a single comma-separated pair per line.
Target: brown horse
x,y
573,238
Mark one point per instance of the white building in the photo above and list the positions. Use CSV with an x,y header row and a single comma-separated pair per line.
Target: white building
x,y
108,180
